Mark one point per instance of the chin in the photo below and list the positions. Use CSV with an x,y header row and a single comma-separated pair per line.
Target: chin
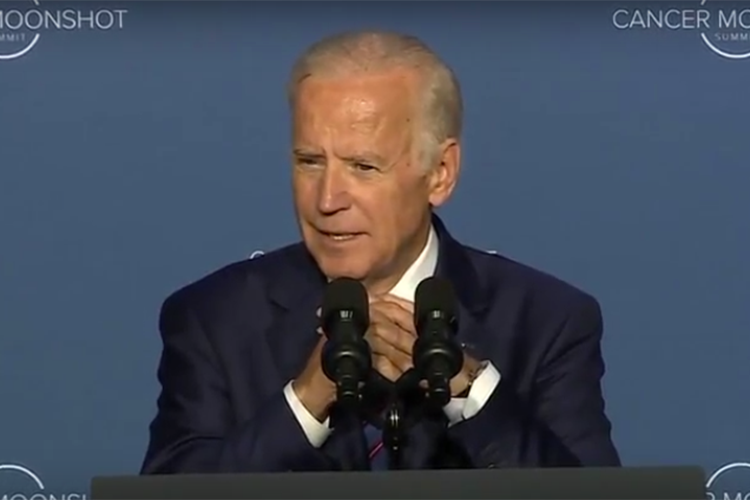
x,y
342,268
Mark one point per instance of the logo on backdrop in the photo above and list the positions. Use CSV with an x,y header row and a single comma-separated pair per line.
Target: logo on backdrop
x,y
722,26
21,28
21,483
730,482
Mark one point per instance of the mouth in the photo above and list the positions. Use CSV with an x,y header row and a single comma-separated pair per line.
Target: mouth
x,y
340,237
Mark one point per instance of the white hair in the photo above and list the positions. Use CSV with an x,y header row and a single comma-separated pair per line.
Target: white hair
x,y
344,54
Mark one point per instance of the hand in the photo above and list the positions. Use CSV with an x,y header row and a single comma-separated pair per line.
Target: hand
x,y
463,380
391,335
314,390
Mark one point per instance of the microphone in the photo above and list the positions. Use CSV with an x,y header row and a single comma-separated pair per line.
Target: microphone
x,y
346,357
437,357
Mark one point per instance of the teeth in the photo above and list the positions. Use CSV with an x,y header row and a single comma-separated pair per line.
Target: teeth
x,y
341,237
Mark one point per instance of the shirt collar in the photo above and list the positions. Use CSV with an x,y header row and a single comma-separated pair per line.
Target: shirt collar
x,y
422,268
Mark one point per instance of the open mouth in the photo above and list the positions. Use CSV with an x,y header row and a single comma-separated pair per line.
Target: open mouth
x,y
340,237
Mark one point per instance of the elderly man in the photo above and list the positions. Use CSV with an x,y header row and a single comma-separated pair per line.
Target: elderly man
x,y
376,147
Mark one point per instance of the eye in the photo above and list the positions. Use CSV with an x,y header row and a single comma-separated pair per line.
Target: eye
x,y
307,161
364,167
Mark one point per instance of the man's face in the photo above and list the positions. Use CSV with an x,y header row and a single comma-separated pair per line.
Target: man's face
x,y
362,200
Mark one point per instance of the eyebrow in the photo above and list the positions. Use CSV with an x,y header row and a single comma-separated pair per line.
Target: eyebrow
x,y
365,157
307,153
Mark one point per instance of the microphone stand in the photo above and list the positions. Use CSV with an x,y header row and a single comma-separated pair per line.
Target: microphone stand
x,y
395,423
393,435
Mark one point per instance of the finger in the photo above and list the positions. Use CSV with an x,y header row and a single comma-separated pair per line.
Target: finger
x,y
378,345
402,361
319,345
318,311
403,303
390,312
320,331
386,368
380,348
385,333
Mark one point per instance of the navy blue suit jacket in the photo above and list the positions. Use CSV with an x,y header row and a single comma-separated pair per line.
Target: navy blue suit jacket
x,y
233,339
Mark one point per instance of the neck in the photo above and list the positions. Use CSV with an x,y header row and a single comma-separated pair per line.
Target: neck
x,y
383,284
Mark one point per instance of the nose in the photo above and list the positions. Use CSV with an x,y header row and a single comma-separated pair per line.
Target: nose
x,y
333,193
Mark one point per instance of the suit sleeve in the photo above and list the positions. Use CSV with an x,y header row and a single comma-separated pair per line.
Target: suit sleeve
x,y
564,423
195,430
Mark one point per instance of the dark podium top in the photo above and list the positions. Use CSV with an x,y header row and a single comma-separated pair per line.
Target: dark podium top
x,y
635,483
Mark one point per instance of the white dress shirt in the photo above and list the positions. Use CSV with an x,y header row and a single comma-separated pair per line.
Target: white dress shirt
x,y
458,409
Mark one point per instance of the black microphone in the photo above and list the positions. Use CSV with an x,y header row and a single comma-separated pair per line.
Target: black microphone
x,y
437,357
346,357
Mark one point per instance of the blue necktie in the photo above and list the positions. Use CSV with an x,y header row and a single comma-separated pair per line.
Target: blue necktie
x,y
376,453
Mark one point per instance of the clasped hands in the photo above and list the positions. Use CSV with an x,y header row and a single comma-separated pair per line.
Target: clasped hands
x,y
391,336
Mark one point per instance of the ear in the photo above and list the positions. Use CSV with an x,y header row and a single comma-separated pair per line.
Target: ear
x,y
444,175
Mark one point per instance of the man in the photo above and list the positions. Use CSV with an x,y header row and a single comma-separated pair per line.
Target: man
x,y
376,147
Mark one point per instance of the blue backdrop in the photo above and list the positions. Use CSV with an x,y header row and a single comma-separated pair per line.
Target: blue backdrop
x,y
144,144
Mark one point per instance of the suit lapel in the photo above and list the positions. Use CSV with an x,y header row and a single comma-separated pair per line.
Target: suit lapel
x,y
297,291
454,264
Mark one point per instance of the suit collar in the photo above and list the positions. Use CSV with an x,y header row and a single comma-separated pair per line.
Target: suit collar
x,y
454,264
295,278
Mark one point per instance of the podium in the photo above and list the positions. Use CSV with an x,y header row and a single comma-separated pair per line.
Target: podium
x,y
633,483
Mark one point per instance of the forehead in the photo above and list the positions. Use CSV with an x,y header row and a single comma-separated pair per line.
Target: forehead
x,y
365,100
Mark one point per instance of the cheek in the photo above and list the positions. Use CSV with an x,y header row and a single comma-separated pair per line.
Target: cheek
x,y
388,215
303,192
407,209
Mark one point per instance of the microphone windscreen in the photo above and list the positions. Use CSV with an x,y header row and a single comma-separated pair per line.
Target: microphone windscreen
x,y
348,295
435,294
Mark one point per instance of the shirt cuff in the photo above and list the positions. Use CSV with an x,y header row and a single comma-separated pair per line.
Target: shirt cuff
x,y
316,432
460,409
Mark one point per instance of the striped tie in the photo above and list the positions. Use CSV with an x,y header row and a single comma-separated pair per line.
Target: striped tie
x,y
378,457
